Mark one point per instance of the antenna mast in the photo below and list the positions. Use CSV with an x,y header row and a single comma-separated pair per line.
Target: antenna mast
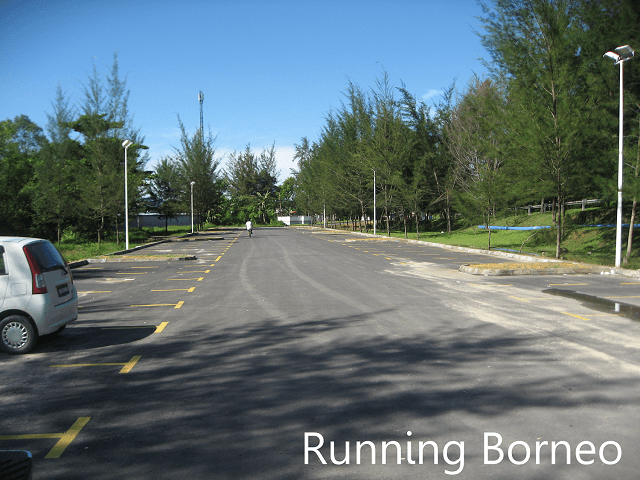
x,y
201,100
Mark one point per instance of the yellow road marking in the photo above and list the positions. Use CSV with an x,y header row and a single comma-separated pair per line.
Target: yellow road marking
x,y
190,290
626,296
566,284
126,366
184,279
198,271
577,316
630,283
174,305
67,437
218,258
64,438
161,327
158,329
130,364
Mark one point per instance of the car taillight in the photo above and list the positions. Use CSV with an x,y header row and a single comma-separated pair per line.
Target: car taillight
x,y
38,285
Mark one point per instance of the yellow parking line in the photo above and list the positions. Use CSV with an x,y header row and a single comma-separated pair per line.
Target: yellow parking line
x,y
64,438
130,364
190,290
218,258
174,305
577,316
161,327
67,437
198,271
566,284
626,296
126,366
184,279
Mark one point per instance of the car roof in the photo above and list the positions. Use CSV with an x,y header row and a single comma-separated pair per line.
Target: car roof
x,y
19,239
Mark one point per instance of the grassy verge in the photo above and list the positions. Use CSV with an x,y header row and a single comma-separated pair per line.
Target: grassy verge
x,y
73,249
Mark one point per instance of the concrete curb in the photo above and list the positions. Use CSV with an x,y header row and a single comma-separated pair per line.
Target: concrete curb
x,y
490,272
579,269
81,263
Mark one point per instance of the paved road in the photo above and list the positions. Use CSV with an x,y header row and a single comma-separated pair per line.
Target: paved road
x,y
223,367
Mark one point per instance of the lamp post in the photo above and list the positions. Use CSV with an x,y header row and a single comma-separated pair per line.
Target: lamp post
x,y
621,55
192,184
126,144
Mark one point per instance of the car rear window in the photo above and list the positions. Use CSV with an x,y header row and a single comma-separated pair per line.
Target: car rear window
x,y
46,255
2,269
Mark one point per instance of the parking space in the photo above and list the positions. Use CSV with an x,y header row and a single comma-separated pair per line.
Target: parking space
x,y
127,308
399,250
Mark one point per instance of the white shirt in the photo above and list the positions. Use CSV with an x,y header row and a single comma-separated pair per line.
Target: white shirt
x,y
249,225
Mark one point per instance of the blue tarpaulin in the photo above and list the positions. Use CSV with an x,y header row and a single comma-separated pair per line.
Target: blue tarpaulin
x,y
495,227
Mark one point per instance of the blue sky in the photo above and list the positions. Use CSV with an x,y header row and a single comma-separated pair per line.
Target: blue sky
x,y
270,70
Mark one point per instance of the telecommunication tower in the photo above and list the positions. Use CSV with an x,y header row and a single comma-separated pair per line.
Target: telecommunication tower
x,y
201,100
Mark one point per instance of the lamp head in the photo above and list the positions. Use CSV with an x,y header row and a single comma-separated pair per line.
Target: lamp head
x,y
193,183
625,52
614,56
127,143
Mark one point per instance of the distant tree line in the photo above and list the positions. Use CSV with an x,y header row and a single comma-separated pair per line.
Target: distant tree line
x,y
543,124
68,180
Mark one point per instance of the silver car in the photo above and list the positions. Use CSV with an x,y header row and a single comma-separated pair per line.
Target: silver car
x,y
37,295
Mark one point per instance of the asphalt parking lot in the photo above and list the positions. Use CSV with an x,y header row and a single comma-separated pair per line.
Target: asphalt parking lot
x,y
216,367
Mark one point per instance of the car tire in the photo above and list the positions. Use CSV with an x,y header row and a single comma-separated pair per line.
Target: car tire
x,y
17,334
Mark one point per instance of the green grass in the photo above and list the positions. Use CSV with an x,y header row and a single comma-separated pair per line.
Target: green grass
x,y
73,249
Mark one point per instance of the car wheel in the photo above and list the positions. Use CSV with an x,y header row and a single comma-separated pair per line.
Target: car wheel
x,y
17,335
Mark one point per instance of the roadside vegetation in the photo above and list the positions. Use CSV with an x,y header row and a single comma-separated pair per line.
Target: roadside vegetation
x,y
540,128
592,245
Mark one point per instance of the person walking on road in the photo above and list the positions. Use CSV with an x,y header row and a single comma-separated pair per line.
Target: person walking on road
x,y
249,227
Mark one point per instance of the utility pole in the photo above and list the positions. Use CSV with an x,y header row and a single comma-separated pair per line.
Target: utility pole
x,y
201,100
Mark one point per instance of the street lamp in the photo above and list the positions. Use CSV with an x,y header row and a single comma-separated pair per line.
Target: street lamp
x,y
126,144
192,184
621,55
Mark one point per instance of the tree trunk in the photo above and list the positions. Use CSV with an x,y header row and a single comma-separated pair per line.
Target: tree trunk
x,y
635,204
489,228
558,231
631,223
